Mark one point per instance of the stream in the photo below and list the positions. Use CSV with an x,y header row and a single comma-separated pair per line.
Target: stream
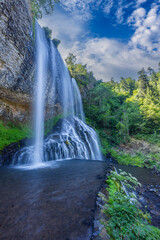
x,y
149,193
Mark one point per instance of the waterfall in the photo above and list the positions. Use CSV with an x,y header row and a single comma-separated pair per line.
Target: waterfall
x,y
78,107
41,72
71,137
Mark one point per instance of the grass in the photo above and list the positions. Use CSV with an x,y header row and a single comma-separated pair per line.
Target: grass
x,y
151,138
150,160
139,159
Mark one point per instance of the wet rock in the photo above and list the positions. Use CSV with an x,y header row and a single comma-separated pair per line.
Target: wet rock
x,y
152,190
104,235
142,200
99,177
87,222
154,212
99,232
149,197
95,234
97,225
6,155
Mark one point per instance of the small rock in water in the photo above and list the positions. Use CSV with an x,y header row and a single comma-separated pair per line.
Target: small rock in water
x,y
95,234
97,226
142,200
99,177
152,190
154,212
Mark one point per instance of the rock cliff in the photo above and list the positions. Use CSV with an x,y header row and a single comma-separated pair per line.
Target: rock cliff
x,y
16,60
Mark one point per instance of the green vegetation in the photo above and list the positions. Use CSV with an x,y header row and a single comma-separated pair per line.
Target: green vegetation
x,y
41,7
124,219
151,138
56,42
84,78
119,110
12,133
139,159
48,32
50,123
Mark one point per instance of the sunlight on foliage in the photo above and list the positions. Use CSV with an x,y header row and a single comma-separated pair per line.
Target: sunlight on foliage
x,y
119,110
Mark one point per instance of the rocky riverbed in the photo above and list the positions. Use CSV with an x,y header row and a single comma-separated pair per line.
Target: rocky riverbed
x,y
148,195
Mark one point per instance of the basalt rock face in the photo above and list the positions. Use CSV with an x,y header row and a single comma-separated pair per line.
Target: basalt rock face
x,y
14,106
16,60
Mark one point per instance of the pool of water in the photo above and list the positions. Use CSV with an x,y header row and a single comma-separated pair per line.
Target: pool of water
x,y
54,202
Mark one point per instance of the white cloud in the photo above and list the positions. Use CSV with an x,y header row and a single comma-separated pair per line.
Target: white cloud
x,y
119,15
137,17
147,33
84,9
108,6
80,9
64,27
110,58
139,2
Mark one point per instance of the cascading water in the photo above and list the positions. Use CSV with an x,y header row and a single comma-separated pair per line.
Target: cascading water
x,y
71,137
64,87
41,72
78,107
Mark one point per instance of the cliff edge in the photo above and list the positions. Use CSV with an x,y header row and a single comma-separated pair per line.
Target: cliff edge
x,y
16,60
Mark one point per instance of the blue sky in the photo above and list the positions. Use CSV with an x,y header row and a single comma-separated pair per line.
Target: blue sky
x,y
114,38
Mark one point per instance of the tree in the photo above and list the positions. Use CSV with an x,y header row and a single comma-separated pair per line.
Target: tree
x,y
71,60
56,42
142,82
112,81
85,78
123,84
42,6
48,32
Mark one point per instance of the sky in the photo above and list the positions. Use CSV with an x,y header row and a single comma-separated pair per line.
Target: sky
x,y
115,38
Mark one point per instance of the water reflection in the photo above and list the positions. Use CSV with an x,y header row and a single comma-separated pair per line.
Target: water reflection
x,y
53,202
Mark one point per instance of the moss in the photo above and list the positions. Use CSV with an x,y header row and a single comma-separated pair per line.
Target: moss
x,y
50,123
11,133
67,142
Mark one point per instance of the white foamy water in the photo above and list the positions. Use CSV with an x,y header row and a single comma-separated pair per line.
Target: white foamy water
x,y
71,138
